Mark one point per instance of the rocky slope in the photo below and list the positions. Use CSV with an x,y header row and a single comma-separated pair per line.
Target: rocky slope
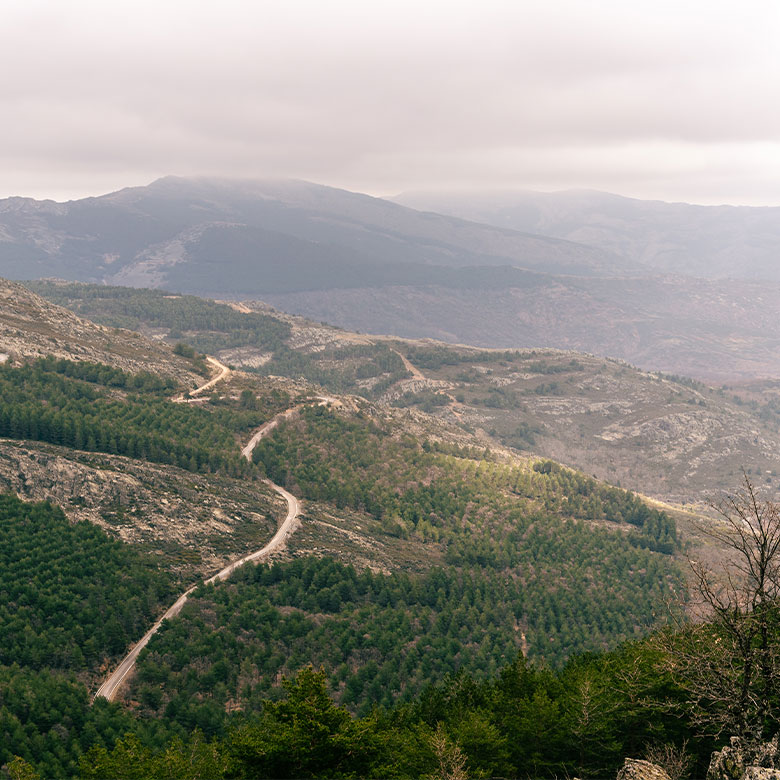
x,y
649,283
194,521
215,236
32,327
668,437
664,435
716,331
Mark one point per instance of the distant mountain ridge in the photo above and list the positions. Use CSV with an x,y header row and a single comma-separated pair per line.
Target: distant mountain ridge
x,y
712,242
714,330
212,236
369,264
666,436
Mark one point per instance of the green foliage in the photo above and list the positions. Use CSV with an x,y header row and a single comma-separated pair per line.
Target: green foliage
x,y
100,374
435,357
342,369
48,721
380,637
304,735
525,721
71,595
210,326
96,408
184,350
191,758
19,769
427,400
588,564
72,600
483,506
499,398
542,367
523,436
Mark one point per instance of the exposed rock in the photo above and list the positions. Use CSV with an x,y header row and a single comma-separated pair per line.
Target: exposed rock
x,y
761,773
31,327
199,521
743,761
245,357
637,769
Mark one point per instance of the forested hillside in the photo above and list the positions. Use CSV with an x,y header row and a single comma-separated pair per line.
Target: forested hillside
x,y
425,552
217,326
72,404
524,722
73,600
668,436
72,596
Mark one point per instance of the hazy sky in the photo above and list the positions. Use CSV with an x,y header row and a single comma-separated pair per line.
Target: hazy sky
x,y
678,101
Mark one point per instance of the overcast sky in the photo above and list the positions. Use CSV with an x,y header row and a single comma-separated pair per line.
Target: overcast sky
x,y
677,101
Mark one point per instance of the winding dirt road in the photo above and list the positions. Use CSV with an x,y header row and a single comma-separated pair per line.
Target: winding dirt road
x,y
109,688
412,369
264,430
224,373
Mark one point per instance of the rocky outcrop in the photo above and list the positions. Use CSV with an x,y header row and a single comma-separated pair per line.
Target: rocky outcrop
x,y
761,773
740,760
31,327
637,769
198,521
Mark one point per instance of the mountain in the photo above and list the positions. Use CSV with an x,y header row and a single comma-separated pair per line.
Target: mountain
x,y
444,582
232,237
32,327
718,331
711,242
666,436
367,264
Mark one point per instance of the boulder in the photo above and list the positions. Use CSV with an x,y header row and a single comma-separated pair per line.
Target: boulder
x,y
636,769
740,760
761,773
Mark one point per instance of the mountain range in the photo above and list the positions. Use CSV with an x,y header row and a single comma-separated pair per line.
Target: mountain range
x,y
650,287
214,236
710,242
427,553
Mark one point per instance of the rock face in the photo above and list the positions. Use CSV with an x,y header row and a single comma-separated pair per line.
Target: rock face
x,y
760,773
31,327
743,761
636,769
198,521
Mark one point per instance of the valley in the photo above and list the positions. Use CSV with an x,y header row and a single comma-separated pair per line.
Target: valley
x,y
453,506
389,391
571,278
667,436
109,688
425,546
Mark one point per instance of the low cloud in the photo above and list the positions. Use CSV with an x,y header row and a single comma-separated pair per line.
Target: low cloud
x,y
652,100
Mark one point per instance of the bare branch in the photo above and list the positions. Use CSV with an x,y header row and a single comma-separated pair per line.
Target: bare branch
x,y
730,666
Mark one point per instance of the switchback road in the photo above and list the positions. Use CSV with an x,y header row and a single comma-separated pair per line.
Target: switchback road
x,y
109,688
224,373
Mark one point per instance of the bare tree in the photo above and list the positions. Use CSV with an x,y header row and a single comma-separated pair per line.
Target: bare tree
x,y
675,761
451,759
730,665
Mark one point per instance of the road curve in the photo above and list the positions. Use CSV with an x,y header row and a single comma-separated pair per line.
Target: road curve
x,y
109,688
264,430
224,373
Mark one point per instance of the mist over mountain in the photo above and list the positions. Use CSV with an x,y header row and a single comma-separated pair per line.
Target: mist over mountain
x,y
714,330
369,264
231,237
713,242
